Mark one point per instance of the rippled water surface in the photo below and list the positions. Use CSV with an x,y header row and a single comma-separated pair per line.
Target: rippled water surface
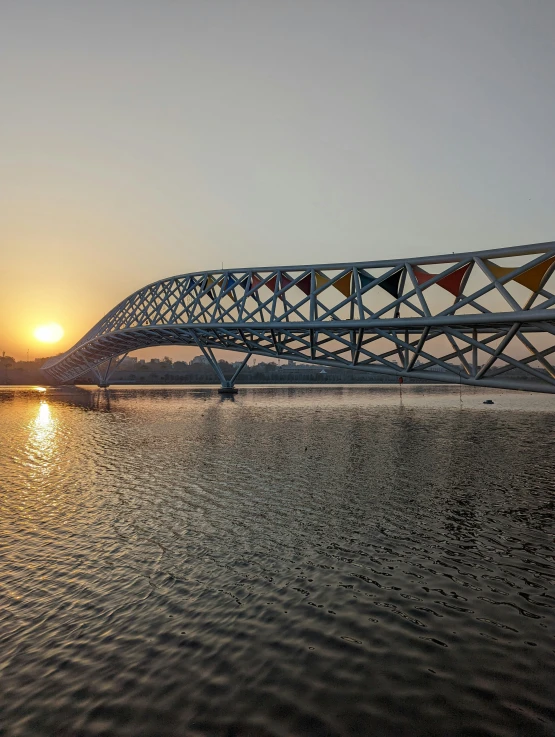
x,y
292,561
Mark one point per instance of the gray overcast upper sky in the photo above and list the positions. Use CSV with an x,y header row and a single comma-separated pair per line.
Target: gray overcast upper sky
x,y
142,139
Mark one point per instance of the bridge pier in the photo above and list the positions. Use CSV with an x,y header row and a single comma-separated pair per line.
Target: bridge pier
x,y
228,388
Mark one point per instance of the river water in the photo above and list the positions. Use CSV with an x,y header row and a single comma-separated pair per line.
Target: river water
x,y
334,561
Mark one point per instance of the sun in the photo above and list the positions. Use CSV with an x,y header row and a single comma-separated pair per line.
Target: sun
x,y
50,333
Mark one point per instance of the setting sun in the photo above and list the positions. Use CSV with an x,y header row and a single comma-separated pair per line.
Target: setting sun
x,y
50,333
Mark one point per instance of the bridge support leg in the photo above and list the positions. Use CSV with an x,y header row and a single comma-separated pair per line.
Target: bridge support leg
x,y
105,376
104,382
227,385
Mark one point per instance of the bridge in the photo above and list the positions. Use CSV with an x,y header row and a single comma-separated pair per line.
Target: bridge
x,y
482,318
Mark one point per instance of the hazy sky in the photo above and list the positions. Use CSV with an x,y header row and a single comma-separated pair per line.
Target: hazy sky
x,y
144,139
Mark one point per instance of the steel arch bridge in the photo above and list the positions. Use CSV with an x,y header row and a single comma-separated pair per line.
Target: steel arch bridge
x,y
482,318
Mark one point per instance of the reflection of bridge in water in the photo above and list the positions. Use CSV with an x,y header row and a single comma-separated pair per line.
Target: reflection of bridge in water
x,y
481,318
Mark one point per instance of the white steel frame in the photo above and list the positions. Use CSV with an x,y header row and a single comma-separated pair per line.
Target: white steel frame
x,y
325,314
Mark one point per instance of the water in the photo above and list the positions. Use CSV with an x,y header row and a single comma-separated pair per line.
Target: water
x,y
293,561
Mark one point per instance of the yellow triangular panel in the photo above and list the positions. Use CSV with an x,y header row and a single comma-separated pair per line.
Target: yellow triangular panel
x,y
498,271
533,277
321,280
344,284
210,282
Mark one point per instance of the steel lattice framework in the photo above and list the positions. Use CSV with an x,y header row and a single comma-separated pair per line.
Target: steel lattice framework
x,y
480,318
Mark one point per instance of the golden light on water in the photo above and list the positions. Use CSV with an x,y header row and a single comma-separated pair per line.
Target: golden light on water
x,y
42,446
49,333
43,418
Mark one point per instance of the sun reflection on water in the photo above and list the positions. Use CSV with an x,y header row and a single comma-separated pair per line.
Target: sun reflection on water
x,y
44,417
42,441
39,462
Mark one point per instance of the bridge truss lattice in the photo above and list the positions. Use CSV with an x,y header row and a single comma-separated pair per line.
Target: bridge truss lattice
x,y
482,318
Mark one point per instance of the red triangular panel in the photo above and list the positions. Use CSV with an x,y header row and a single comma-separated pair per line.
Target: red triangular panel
x,y
452,282
420,275
271,283
305,283
285,281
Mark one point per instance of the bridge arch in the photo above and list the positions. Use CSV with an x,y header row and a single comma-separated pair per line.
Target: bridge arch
x,y
481,318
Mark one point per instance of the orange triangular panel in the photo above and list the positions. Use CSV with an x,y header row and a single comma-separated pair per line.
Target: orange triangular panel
x,y
533,277
420,275
452,282
210,282
498,271
344,284
321,280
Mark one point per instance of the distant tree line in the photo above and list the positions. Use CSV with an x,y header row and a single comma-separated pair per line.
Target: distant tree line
x,y
166,371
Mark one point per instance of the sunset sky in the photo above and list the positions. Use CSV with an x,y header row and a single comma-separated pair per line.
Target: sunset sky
x,y
145,139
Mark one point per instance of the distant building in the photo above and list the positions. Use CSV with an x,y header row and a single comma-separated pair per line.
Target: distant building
x,y
129,363
292,366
